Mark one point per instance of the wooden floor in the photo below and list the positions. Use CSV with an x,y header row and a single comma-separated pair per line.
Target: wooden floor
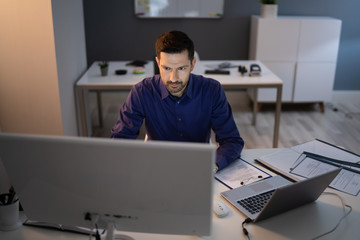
x,y
339,124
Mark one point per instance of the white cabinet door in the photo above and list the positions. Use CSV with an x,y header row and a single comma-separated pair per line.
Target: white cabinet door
x,y
319,40
286,72
302,51
275,39
314,82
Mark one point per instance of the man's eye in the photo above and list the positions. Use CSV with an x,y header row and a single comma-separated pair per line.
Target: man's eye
x,y
181,68
167,68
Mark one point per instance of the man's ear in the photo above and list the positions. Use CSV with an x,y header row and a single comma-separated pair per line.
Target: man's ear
x,y
157,61
193,63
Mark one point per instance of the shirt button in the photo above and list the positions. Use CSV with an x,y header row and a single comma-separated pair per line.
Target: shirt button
x,y
179,119
178,102
181,134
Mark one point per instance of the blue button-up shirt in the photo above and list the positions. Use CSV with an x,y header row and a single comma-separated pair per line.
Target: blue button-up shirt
x,y
189,118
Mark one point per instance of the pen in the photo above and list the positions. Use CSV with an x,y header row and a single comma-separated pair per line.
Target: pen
x,y
11,196
248,179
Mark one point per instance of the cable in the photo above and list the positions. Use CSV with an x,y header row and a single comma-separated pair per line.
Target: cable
x,y
93,218
97,234
348,115
345,215
245,231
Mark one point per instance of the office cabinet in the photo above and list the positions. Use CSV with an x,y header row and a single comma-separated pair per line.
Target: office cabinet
x,y
314,81
302,51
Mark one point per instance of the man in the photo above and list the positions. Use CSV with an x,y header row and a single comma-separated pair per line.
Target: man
x,y
178,105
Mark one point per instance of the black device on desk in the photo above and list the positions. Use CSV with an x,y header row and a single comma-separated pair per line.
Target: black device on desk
x,y
137,63
255,70
242,69
217,71
120,72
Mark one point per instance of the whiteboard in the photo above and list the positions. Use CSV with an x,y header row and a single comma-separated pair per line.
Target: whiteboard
x,y
179,8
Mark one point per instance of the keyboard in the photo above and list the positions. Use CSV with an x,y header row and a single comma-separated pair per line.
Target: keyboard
x,y
256,203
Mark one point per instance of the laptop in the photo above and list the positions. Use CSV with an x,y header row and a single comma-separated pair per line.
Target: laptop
x,y
275,195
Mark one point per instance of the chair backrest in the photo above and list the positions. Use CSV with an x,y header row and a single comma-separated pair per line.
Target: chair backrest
x,y
196,55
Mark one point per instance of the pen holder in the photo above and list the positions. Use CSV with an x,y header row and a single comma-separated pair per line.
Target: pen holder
x,y
9,215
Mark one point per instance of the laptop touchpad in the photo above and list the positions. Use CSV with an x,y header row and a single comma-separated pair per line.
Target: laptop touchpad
x,y
261,186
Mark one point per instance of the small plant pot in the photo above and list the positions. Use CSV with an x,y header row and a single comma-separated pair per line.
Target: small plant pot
x,y
269,10
104,71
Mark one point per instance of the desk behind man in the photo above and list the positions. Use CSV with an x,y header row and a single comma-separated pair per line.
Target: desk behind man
x,y
178,105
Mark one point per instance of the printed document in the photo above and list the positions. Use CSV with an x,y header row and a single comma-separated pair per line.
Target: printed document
x,y
240,173
346,181
285,160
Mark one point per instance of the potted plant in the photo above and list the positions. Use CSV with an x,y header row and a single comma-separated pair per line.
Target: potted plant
x,y
104,66
269,8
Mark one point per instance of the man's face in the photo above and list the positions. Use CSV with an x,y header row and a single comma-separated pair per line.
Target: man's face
x,y
175,71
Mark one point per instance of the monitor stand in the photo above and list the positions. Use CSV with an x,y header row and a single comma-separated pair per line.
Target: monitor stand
x,y
110,233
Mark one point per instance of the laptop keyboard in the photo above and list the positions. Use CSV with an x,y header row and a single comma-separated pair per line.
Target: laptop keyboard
x,y
255,203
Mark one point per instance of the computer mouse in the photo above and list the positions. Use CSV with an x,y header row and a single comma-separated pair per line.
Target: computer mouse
x,y
220,209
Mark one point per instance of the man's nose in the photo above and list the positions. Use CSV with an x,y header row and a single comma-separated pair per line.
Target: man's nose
x,y
173,76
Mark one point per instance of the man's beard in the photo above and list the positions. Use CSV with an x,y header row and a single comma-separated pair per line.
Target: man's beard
x,y
178,86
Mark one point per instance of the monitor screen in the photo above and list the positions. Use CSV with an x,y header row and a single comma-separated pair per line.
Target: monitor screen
x,y
153,187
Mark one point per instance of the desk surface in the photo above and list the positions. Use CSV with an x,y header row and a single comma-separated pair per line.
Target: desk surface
x,y
305,222
92,77
235,78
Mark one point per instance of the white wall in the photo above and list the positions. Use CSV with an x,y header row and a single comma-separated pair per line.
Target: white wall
x,y
70,56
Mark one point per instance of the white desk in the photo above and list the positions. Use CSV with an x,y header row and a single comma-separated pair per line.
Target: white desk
x,y
305,222
92,80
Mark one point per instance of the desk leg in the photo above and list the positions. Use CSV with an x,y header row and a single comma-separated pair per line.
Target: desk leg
x,y
277,116
98,96
82,111
255,107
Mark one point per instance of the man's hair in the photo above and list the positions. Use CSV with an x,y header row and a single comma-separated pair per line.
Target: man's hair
x,y
174,42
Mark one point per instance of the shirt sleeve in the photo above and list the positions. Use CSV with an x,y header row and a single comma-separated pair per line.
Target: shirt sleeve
x,y
226,132
131,116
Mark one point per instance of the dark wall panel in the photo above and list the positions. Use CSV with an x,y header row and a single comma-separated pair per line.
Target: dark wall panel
x,y
113,32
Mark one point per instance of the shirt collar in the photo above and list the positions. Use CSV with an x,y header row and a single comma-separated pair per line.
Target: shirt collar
x,y
189,89
164,92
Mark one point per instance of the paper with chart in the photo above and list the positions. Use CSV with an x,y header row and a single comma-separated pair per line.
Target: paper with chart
x,y
240,173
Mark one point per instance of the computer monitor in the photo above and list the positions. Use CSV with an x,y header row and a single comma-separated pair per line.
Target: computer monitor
x,y
153,187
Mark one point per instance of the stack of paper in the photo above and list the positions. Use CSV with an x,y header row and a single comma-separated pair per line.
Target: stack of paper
x,y
321,157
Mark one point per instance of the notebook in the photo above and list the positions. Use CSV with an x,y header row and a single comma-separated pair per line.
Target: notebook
x,y
282,195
